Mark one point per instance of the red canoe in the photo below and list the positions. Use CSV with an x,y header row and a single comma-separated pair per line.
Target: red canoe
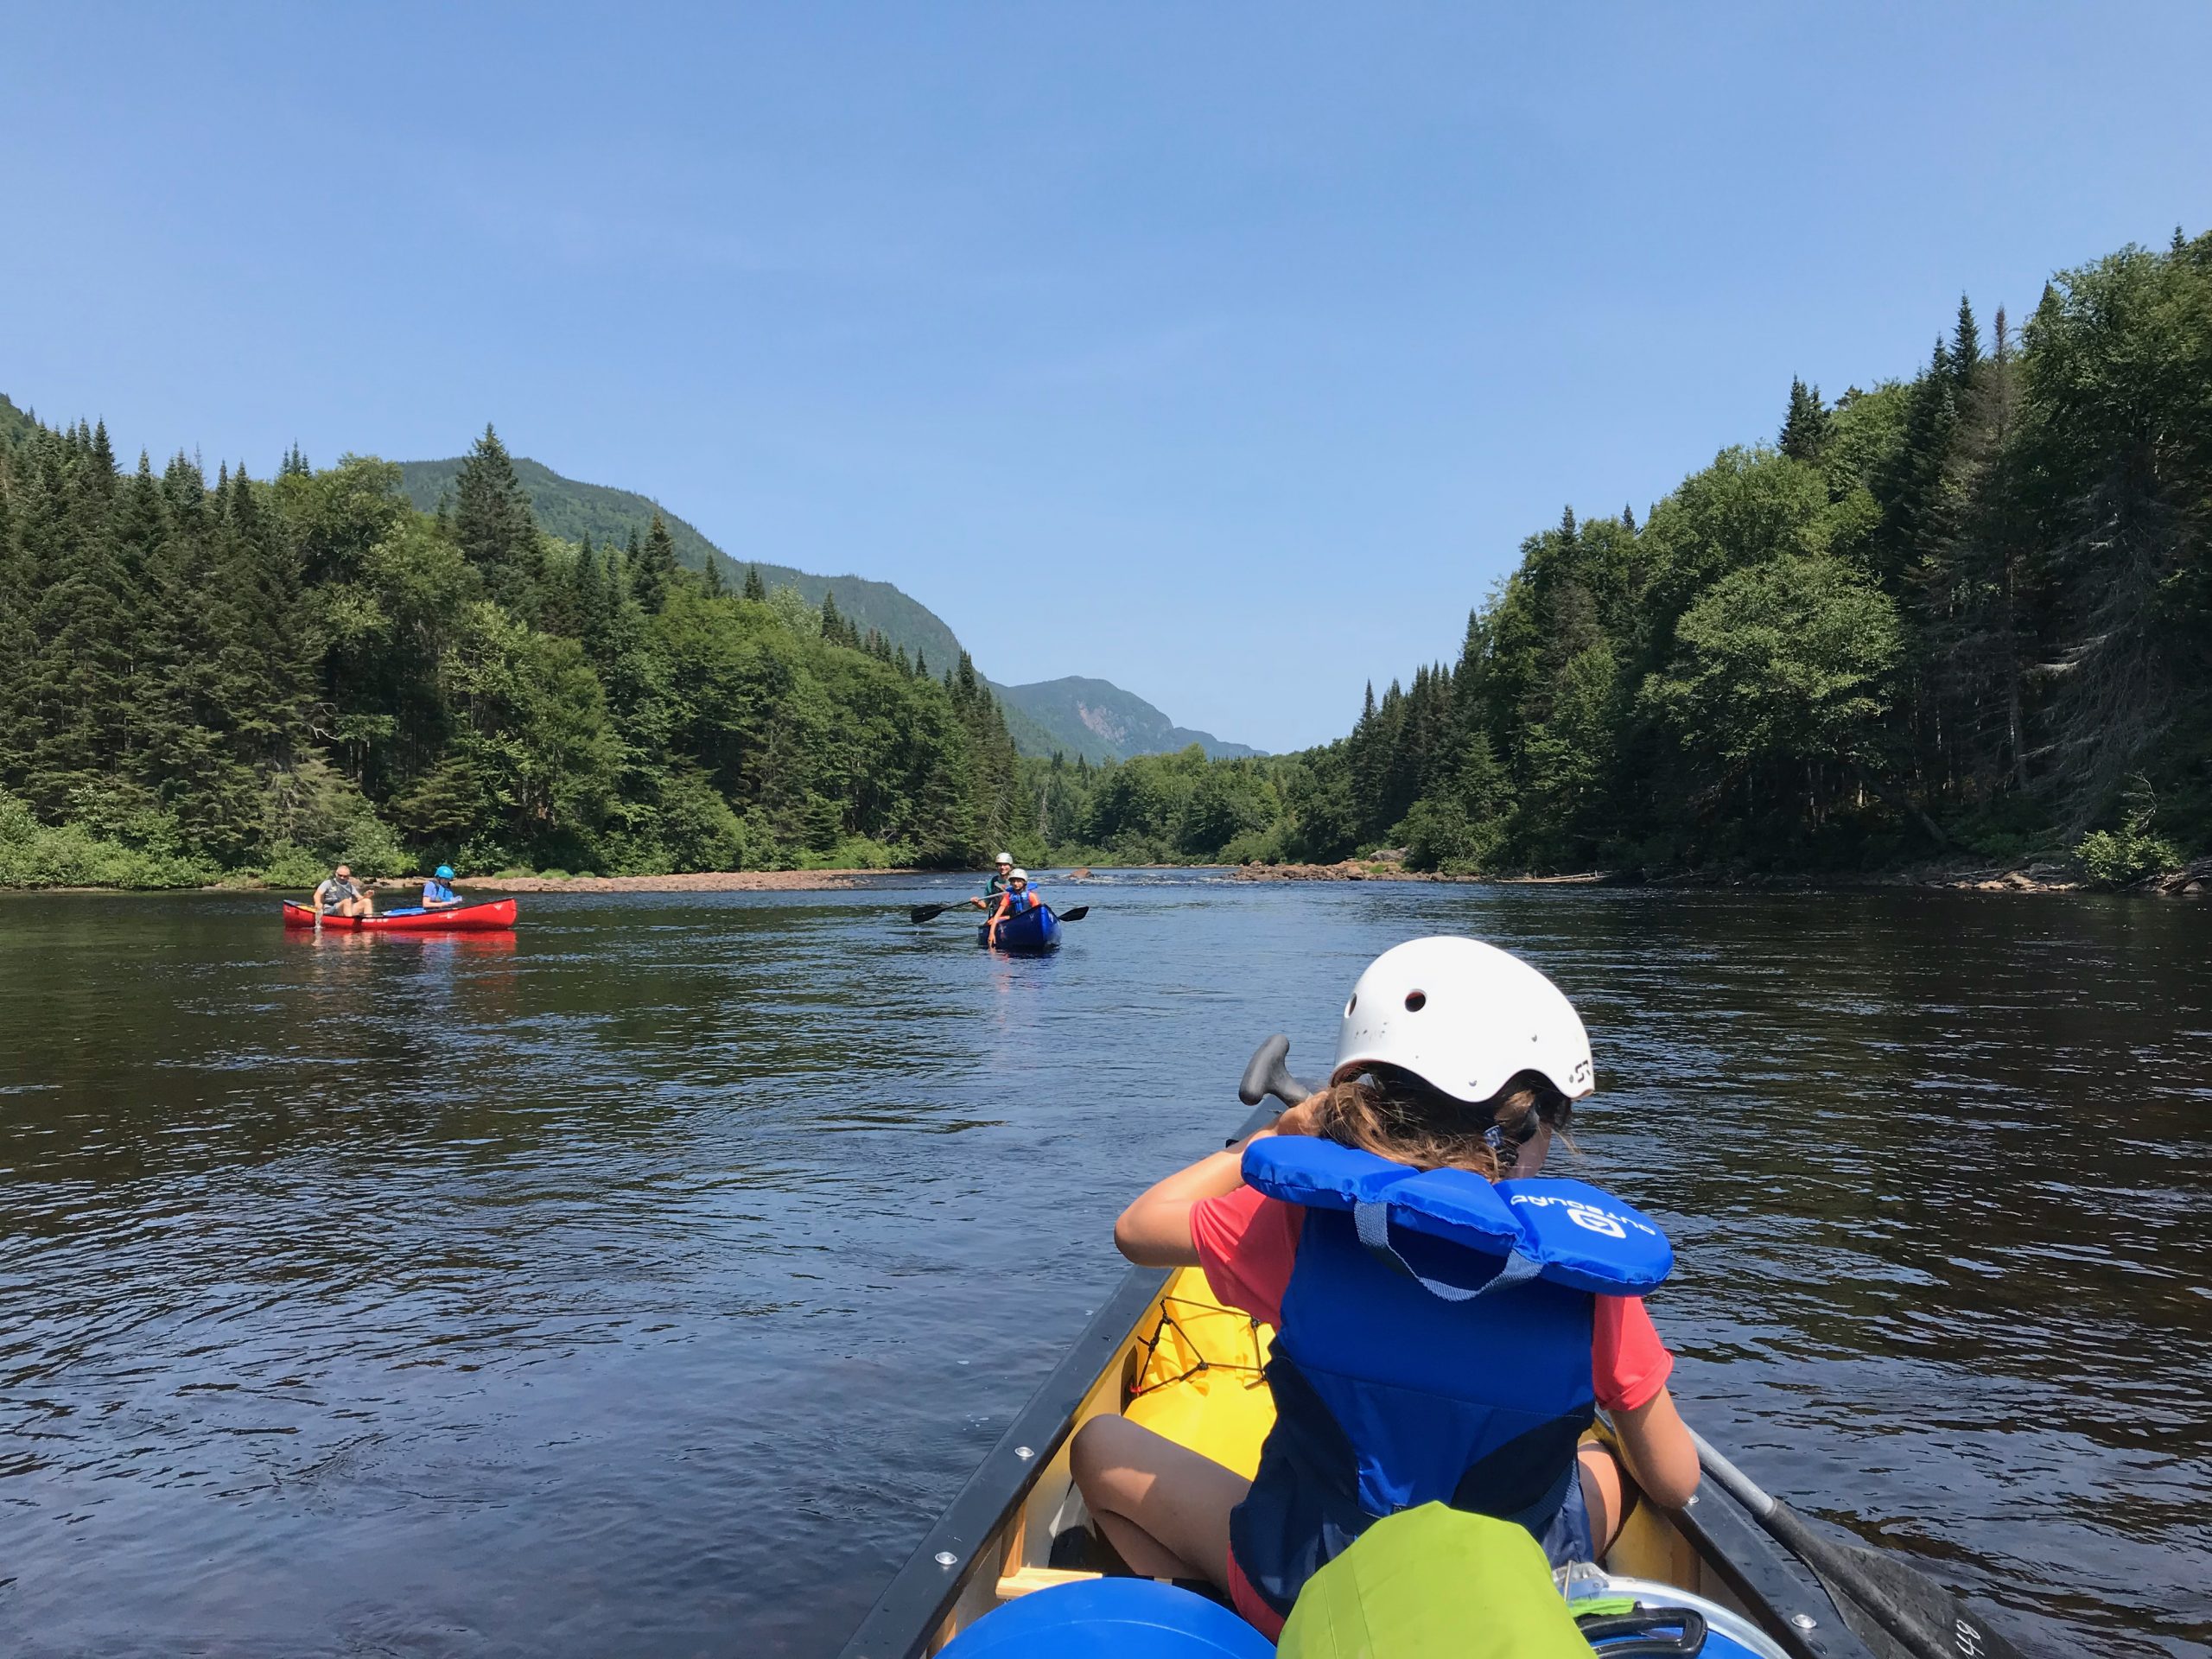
x,y
486,918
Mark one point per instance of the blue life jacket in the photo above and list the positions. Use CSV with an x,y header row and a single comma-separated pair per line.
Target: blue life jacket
x,y
1435,1346
436,890
1027,898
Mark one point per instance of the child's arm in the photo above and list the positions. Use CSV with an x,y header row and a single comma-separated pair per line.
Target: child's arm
x,y
1155,1230
1659,1450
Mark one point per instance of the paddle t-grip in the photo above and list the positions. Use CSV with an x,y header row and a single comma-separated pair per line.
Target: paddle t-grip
x,y
1269,1074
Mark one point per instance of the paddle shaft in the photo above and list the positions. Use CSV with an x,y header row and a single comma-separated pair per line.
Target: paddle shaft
x,y
1908,1604
921,913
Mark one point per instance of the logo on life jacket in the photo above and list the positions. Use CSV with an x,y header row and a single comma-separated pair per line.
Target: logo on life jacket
x,y
1586,1215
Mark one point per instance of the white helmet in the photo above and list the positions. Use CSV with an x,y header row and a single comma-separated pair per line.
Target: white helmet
x,y
1004,858
1464,1017
1018,875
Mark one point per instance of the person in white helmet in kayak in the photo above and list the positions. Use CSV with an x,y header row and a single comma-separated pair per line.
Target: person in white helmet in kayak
x,y
1446,1325
1001,877
1019,898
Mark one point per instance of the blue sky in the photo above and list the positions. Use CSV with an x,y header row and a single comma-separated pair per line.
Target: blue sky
x,y
1225,351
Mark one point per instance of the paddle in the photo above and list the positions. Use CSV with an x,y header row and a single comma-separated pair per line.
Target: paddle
x,y
929,913
1904,1602
1268,1072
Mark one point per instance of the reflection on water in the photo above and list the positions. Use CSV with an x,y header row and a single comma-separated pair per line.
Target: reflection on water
x,y
644,1280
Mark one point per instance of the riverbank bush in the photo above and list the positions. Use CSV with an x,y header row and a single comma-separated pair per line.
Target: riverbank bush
x,y
35,855
2134,851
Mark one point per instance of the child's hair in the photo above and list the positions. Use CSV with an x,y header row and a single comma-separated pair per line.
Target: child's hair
x,y
1395,1115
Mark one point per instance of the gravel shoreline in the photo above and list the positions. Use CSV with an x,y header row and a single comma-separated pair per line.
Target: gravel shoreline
x,y
2194,881
696,881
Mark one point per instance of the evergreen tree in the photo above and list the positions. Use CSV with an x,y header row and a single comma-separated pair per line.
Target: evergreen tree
x,y
653,568
80,686
1805,429
493,523
1965,344
598,599
755,590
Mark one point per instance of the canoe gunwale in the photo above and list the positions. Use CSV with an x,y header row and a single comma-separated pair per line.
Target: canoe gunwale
x,y
921,1594
1771,1582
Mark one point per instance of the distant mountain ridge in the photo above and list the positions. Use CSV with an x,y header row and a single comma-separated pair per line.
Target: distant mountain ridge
x,y
1094,719
571,510
1099,720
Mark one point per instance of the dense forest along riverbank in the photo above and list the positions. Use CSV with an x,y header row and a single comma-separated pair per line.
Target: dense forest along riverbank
x,y
645,1280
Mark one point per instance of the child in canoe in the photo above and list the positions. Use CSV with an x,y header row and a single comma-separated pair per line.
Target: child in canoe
x,y
1437,1336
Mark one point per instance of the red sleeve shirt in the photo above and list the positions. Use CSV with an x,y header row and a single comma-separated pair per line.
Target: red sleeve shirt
x,y
1247,1243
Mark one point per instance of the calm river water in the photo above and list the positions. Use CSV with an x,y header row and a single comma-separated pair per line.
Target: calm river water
x,y
643,1283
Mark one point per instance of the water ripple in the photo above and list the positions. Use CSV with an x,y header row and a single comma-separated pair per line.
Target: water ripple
x,y
646,1281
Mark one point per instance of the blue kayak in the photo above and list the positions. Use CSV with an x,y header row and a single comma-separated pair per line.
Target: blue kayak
x,y
1028,934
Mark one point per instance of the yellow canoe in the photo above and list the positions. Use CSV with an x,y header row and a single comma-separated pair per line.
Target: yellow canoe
x,y
1164,1353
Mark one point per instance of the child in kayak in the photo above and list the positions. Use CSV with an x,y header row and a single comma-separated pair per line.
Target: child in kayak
x,y
1438,1337
1017,898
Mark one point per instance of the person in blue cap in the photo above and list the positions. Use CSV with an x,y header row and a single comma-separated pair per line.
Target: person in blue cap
x,y
438,891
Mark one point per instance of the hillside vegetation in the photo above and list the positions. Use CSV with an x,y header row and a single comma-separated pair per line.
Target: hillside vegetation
x,y
202,679
571,511
1044,719
15,427
1966,614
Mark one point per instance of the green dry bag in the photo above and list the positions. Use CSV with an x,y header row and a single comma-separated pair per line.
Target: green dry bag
x,y
1430,1582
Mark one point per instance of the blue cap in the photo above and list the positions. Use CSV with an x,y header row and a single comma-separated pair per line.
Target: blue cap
x,y
445,872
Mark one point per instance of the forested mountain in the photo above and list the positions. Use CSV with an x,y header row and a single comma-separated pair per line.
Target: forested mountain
x,y
1043,718
1965,615
1098,720
1968,614
570,510
242,675
1968,611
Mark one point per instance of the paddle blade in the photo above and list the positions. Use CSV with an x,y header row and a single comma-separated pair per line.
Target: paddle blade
x,y
1075,915
927,913
1898,1600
